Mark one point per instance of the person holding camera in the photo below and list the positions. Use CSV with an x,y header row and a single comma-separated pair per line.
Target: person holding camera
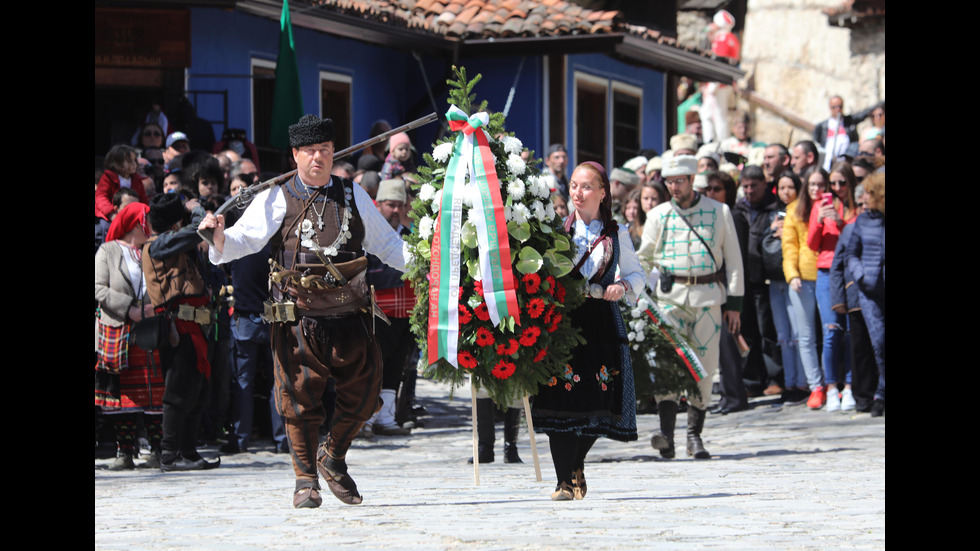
x,y
691,244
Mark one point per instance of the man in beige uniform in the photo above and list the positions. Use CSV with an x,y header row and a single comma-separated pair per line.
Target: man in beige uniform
x,y
691,240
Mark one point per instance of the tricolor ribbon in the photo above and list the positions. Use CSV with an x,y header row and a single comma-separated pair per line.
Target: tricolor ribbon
x,y
470,173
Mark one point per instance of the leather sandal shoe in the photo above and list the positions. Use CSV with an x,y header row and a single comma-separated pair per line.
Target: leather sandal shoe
x,y
307,498
341,485
579,487
563,492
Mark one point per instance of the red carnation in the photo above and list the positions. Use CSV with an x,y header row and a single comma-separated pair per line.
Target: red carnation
x,y
507,349
535,307
541,355
531,283
530,336
481,312
484,337
503,369
466,360
464,315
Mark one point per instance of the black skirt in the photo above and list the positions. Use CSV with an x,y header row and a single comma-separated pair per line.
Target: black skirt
x,y
595,394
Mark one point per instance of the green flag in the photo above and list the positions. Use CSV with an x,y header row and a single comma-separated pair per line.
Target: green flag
x,y
287,99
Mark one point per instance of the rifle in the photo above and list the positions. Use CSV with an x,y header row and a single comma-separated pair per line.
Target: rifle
x,y
245,197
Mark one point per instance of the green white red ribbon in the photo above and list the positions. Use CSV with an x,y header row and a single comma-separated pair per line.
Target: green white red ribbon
x,y
471,173
687,355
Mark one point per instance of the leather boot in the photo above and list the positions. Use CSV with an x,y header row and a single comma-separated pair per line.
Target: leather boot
x,y
511,426
663,440
695,422
484,429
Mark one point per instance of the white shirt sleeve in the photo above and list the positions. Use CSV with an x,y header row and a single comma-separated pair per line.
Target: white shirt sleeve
x,y
380,239
629,267
260,221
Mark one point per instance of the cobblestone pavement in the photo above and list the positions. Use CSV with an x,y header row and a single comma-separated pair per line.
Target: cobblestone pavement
x,y
780,477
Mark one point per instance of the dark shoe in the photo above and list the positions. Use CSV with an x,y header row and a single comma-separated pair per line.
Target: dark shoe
x,y
123,462
510,453
563,492
307,498
341,485
726,410
231,447
695,423
663,439
282,448
579,487
485,453
878,408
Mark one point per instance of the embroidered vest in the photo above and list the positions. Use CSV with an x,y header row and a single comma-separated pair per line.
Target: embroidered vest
x,y
301,226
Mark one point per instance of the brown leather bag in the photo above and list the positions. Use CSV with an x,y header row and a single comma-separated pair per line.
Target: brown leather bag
x,y
337,301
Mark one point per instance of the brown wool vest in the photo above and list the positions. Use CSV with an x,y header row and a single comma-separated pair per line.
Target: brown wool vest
x,y
171,278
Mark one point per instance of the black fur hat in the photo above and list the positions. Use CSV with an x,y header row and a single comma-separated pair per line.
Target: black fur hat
x,y
310,130
166,209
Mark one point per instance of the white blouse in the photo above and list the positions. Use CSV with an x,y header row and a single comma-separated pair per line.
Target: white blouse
x,y
628,269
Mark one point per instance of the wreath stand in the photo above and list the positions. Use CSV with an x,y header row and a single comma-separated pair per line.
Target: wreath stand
x,y
530,430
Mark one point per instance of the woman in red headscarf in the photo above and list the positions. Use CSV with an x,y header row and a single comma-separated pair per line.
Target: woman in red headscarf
x,y
128,380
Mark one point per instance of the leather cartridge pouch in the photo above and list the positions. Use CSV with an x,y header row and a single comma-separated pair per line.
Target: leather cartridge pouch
x,y
322,299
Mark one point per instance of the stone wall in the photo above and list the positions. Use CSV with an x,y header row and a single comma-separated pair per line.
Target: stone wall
x,y
798,61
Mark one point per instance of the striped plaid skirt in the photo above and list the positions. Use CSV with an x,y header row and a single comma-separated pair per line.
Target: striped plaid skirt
x,y
127,378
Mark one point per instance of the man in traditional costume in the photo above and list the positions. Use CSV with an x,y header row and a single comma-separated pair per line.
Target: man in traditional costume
x,y
690,241
174,270
321,310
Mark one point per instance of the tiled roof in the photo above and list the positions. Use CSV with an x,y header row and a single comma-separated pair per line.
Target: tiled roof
x,y
486,19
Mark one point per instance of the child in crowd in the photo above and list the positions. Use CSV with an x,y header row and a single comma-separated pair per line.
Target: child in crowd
x,y
399,157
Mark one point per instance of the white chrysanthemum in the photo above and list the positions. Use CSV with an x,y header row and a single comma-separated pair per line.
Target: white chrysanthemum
x,y
516,189
547,181
636,312
641,324
508,213
437,201
640,335
631,336
442,152
520,213
516,164
642,305
425,227
539,211
512,145
544,188
549,210
426,192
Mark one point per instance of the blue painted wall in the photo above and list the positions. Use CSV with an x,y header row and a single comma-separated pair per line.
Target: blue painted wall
x,y
652,133
387,83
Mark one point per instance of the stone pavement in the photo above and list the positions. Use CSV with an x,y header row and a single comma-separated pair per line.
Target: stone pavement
x,y
781,477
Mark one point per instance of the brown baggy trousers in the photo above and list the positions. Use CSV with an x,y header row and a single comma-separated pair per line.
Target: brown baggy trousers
x,y
306,354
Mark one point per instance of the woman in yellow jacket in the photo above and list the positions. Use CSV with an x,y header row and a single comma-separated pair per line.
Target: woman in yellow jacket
x,y
800,269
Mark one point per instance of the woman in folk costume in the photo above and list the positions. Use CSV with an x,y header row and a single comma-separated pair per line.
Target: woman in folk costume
x,y
128,380
595,396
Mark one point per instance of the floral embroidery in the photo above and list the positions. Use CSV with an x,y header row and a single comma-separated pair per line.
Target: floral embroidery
x,y
570,377
603,376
